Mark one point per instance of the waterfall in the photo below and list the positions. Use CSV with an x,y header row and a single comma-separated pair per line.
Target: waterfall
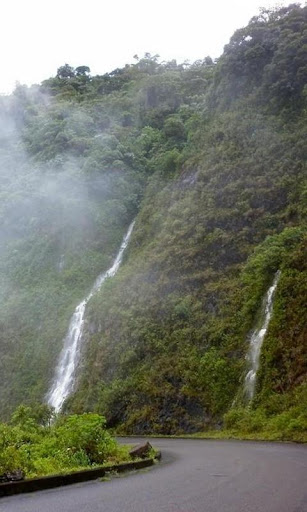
x,y
64,379
257,338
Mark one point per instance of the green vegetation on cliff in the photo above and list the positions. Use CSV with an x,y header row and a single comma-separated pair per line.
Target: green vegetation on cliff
x,y
211,160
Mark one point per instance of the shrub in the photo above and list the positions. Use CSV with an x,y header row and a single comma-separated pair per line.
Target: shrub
x,y
74,442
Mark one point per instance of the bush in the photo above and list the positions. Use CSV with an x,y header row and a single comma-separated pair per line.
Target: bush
x,y
86,433
245,420
73,442
232,418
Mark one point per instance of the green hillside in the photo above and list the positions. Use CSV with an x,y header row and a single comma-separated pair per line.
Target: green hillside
x,y
210,158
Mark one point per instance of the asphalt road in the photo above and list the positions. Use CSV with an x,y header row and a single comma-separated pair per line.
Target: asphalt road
x,y
194,476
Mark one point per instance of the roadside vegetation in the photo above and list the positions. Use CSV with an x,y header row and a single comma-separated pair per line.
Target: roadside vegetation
x,y
38,444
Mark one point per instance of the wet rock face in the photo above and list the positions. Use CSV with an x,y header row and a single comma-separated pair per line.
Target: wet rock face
x,y
141,451
174,414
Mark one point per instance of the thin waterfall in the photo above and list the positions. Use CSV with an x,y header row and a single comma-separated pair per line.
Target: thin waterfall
x,y
258,337
65,372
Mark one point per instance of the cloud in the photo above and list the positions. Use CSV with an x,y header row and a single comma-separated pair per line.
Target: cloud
x,y
39,37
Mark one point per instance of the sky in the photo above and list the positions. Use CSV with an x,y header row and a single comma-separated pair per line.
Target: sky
x,y
38,36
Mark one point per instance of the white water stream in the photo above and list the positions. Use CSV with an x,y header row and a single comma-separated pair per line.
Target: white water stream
x,y
258,337
65,372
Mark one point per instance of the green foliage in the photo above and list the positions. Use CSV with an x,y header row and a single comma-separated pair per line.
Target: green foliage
x,y
245,420
216,381
71,443
211,157
74,167
289,424
172,329
267,59
65,71
39,413
284,352
87,434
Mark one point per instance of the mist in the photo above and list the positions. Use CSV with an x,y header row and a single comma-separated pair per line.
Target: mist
x,y
64,209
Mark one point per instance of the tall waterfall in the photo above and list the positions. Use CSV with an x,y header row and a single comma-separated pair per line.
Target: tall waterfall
x,y
258,337
64,378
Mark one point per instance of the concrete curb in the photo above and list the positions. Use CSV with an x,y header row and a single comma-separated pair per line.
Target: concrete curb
x,y
200,438
49,482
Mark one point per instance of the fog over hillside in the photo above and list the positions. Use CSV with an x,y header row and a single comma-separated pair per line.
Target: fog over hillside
x,y
209,158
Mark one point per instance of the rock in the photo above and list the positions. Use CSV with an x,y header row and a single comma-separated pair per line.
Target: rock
x,y
141,451
12,476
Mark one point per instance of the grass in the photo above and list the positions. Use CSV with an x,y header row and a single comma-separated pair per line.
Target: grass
x,y
300,437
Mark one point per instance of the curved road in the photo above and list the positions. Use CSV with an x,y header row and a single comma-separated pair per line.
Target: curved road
x,y
194,476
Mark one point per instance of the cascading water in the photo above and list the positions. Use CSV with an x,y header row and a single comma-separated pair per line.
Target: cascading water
x,y
69,357
257,339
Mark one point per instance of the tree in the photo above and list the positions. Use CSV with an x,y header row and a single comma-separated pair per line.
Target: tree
x,y
66,71
82,71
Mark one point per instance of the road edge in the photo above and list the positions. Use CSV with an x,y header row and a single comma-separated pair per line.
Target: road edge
x,y
50,482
